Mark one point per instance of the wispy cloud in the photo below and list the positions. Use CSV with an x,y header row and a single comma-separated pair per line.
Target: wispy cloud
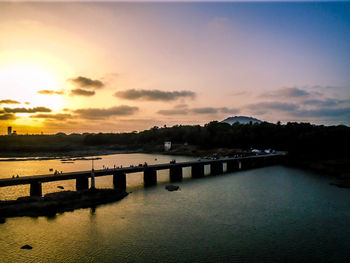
x,y
58,116
154,95
82,92
86,82
7,116
9,102
26,110
325,112
173,112
330,102
288,93
203,110
51,92
98,113
264,107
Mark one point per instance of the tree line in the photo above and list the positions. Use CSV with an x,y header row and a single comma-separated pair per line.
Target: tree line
x,y
296,138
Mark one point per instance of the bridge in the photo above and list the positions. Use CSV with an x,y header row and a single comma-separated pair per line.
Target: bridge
x,y
149,171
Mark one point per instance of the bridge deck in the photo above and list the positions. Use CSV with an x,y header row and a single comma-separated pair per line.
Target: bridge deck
x,y
134,169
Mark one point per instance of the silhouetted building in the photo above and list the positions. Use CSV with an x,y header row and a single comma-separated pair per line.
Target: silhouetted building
x,y
9,130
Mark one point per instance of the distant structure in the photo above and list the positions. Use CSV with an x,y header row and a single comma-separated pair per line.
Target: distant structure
x,y
9,130
167,146
241,120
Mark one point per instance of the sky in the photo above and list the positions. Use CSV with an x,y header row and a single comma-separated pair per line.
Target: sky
x,y
117,67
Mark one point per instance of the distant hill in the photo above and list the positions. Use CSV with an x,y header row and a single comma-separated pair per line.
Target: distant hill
x,y
241,120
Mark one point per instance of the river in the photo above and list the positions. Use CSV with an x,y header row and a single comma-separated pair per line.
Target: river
x,y
272,214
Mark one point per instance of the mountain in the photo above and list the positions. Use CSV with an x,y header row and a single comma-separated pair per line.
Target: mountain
x,y
241,120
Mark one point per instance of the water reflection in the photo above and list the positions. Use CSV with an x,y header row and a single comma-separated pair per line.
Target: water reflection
x,y
30,167
270,214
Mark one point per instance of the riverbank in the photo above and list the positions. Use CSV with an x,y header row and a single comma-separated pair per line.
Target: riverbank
x,y
60,202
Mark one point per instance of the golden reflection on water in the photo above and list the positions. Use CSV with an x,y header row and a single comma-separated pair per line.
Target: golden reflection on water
x,y
33,167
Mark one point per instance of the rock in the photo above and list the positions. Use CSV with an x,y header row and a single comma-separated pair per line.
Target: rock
x,y
26,247
60,187
171,187
2,220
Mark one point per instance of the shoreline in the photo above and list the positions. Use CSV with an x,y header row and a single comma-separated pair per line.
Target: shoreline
x,y
36,156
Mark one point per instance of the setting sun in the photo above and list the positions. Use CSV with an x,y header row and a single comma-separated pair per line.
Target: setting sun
x,y
23,80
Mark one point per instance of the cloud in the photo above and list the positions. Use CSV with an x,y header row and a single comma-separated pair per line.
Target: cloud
x,y
204,110
173,112
326,103
27,103
58,116
287,92
97,113
9,102
50,92
82,92
263,107
7,116
154,95
325,112
26,110
87,82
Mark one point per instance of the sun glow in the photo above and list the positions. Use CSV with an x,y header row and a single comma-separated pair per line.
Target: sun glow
x,y
22,81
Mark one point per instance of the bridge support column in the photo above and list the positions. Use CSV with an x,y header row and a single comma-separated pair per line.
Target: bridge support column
x,y
150,177
175,173
35,189
232,166
216,168
82,183
240,166
119,180
197,170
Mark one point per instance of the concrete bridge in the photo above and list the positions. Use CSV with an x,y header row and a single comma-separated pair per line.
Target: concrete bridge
x,y
149,171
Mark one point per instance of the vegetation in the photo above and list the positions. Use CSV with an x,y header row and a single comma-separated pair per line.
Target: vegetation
x,y
303,141
293,137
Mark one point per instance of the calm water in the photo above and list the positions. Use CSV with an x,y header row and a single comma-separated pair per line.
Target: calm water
x,y
272,214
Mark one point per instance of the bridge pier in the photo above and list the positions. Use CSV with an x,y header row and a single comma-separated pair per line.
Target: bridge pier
x,y
119,180
35,189
175,173
216,168
82,183
240,166
149,176
197,170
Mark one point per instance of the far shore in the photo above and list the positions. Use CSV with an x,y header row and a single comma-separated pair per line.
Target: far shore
x,y
40,156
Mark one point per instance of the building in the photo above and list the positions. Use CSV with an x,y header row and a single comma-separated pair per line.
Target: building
x,y
167,146
9,130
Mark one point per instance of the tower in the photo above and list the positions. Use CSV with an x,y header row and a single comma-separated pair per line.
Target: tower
x,y
9,130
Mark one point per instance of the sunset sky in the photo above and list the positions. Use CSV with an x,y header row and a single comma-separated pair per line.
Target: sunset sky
x,y
114,67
